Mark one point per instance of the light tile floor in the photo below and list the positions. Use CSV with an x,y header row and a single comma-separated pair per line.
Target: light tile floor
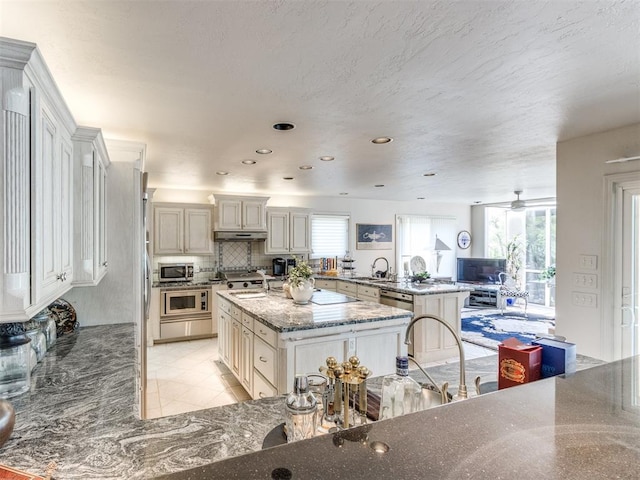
x,y
187,376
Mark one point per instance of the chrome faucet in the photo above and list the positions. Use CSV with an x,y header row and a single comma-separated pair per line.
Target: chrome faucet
x,y
379,273
462,388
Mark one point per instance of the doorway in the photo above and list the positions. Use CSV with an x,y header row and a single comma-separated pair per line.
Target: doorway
x,y
623,272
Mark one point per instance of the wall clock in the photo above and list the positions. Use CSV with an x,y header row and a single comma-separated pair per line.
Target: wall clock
x,y
464,239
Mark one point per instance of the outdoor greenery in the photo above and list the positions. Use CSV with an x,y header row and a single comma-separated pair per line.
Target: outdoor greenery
x,y
548,273
513,254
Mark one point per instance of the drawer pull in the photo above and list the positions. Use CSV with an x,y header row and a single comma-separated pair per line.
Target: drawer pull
x,y
262,395
262,333
263,359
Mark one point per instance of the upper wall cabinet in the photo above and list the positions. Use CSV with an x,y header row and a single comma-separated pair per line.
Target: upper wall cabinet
x,y
90,207
289,231
240,213
182,229
37,191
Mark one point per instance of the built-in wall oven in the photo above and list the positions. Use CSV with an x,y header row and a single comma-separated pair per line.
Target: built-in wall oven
x,y
396,299
185,314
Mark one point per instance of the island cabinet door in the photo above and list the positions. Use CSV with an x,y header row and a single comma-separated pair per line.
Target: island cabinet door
x,y
246,360
224,340
378,350
307,356
236,334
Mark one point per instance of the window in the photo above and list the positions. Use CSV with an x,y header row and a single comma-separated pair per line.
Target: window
x,y
329,235
416,236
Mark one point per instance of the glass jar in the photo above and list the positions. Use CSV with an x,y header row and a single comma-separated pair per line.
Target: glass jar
x,y
15,363
301,411
38,340
47,326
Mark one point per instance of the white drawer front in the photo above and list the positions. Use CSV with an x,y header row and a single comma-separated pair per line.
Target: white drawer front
x,y
264,360
368,291
346,287
326,284
224,305
265,333
236,312
262,388
247,321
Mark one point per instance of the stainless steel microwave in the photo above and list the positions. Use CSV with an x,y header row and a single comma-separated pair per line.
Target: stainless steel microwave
x,y
175,272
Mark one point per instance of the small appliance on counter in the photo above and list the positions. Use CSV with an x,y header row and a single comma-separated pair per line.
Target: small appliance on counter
x,y
279,267
291,262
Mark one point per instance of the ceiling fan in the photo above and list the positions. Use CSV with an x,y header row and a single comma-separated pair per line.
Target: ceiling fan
x,y
518,205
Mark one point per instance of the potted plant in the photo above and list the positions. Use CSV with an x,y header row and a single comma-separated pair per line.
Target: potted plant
x,y
549,274
301,282
514,259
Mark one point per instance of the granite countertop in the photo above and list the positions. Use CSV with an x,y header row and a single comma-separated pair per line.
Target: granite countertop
x,y
413,288
80,413
283,315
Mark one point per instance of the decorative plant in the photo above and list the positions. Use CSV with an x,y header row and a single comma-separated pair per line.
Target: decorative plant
x,y
298,274
548,273
514,258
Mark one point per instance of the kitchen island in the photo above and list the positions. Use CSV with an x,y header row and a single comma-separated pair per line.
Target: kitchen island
x,y
430,341
265,339
80,413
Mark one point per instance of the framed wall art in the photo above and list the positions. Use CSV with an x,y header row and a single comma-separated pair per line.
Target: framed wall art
x,y
374,237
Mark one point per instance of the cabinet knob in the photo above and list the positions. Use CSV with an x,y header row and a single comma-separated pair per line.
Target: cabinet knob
x,y
263,359
104,264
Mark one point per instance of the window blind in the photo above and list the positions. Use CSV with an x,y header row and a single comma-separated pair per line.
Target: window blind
x,y
329,235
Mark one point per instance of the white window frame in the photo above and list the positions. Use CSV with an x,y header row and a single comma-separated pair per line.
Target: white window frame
x,y
317,241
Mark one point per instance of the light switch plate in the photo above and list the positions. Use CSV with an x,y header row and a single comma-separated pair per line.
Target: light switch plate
x,y
582,299
588,262
585,280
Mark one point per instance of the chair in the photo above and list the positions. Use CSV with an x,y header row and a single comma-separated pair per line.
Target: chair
x,y
509,289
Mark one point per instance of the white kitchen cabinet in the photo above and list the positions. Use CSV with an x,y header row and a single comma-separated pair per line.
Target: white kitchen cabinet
x,y
431,341
289,231
213,305
246,359
326,284
182,229
368,293
52,223
236,347
240,213
91,161
347,288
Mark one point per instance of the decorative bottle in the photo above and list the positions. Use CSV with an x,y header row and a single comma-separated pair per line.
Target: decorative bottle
x,y
301,411
401,394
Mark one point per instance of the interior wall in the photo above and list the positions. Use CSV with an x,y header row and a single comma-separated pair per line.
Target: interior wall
x,y
580,172
360,210
114,299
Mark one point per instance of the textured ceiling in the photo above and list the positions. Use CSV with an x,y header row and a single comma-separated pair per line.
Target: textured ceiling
x,y
478,92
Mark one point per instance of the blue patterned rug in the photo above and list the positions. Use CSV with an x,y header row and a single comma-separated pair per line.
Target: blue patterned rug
x,y
491,329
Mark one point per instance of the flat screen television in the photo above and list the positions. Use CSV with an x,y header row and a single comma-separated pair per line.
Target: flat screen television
x,y
480,270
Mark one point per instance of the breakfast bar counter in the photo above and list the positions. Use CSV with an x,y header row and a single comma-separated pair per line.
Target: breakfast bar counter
x,y
80,413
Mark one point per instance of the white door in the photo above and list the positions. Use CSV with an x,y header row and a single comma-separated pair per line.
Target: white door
x,y
630,272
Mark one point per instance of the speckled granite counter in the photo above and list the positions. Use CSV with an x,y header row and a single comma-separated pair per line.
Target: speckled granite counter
x,y
281,314
80,413
412,288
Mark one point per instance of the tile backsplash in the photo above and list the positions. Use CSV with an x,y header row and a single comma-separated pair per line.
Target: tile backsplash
x,y
227,256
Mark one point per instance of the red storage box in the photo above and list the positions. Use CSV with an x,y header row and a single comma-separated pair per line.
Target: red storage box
x,y
518,363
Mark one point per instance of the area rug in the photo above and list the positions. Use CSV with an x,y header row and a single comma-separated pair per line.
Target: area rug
x,y
491,329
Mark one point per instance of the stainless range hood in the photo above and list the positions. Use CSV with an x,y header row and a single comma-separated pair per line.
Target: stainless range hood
x,y
239,236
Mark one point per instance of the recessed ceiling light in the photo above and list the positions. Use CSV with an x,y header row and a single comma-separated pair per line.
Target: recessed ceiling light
x,y
284,126
420,198
305,167
344,193
430,174
381,140
327,158
221,172
379,185
287,178
477,202
264,151
249,162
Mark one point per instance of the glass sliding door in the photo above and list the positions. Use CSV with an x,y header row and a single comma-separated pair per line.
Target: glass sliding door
x,y
540,230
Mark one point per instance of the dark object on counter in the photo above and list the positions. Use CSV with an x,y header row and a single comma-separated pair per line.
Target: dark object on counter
x,y
373,404
279,267
275,437
65,317
7,421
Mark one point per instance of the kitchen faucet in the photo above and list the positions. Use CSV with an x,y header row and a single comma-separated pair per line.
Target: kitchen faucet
x,y
379,273
462,388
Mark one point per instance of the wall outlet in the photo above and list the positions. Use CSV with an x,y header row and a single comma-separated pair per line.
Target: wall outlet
x,y
585,280
581,299
352,345
588,262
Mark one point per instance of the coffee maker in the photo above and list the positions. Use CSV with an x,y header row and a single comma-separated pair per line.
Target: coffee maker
x,y
291,262
279,267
